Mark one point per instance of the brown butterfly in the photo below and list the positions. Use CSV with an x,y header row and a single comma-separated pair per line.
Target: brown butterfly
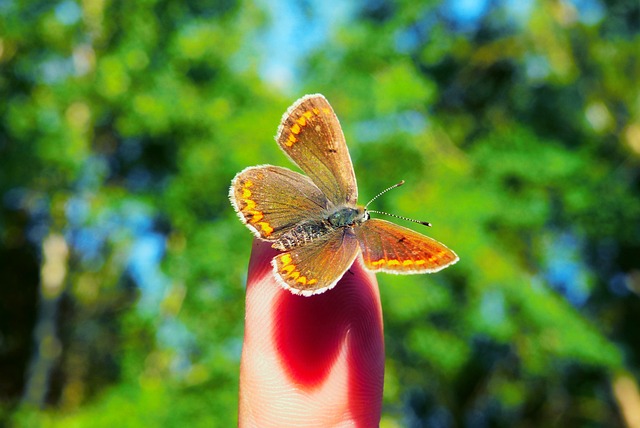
x,y
315,220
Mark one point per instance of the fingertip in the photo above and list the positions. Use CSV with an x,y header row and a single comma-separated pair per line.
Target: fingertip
x,y
314,356
260,262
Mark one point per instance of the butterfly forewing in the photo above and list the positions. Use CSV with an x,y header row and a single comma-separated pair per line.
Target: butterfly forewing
x,y
388,247
271,200
317,266
311,136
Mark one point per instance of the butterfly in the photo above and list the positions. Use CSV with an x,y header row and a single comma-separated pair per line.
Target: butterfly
x,y
314,220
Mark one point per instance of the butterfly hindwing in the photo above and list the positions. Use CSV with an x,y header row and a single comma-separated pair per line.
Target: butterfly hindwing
x,y
318,265
390,248
310,134
270,200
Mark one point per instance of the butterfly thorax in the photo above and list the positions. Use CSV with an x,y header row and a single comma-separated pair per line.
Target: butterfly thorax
x,y
347,217
308,231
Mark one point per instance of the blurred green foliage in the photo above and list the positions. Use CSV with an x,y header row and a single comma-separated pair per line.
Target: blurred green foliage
x,y
518,132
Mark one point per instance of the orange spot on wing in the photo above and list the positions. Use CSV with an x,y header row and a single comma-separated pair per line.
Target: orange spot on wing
x,y
266,228
420,262
302,280
326,110
307,114
378,262
285,259
294,275
291,140
256,216
393,262
296,128
407,263
287,269
250,204
316,111
251,214
312,281
436,256
302,121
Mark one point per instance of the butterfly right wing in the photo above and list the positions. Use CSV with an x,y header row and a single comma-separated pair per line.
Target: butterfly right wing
x,y
270,200
390,248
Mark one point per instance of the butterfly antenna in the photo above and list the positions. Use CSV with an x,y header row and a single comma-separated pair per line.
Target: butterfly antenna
x,y
425,223
383,192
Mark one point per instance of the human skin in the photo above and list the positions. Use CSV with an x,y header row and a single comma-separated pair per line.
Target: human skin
x,y
311,361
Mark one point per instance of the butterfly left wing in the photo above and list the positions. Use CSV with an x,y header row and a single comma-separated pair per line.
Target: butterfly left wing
x,y
390,248
317,266
271,200
310,134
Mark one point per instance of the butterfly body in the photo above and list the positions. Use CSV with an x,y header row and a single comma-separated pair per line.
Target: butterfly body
x,y
303,233
314,219
348,217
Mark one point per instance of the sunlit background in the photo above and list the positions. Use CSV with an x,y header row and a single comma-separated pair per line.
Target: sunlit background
x,y
516,125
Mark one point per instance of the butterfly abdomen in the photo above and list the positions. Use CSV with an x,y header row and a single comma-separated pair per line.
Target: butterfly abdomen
x,y
302,234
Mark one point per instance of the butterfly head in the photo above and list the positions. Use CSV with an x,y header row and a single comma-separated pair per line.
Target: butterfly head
x,y
348,216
